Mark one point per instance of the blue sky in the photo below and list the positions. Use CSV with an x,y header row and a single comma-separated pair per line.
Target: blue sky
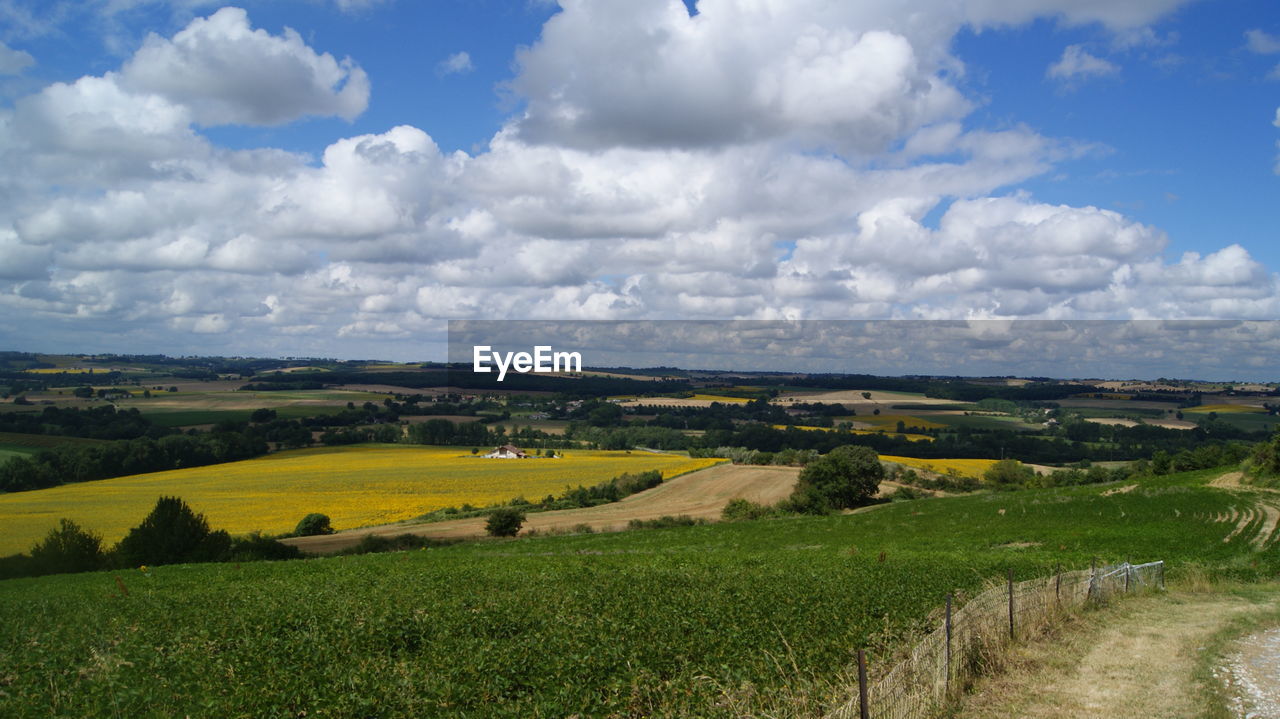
x,y
199,178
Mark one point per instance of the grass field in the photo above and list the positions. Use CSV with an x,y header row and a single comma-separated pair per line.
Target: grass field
x,y
355,486
722,620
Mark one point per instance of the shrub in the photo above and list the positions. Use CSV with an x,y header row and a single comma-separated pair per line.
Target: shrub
x,y
665,521
1009,473
171,534
742,509
313,524
68,548
258,546
845,477
504,522
373,543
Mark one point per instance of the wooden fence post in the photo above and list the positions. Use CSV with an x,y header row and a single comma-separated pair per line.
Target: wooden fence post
x,y
864,711
948,645
1057,587
1011,605
1093,578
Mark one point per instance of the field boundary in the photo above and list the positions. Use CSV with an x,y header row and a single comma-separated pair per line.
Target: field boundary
x,y
935,670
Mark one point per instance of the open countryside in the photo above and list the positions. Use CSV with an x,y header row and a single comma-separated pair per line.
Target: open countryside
x,y
355,486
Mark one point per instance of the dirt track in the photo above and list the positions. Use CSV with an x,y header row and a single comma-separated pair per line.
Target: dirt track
x,y
1134,661
698,494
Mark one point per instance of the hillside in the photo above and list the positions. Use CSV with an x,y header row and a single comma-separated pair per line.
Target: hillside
x,y
712,620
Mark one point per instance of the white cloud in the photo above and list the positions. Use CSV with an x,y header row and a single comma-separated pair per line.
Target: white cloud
x,y
458,63
1262,42
13,62
226,72
663,168
1076,64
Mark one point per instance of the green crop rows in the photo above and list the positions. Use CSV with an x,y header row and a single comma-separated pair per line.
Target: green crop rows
x,y
672,622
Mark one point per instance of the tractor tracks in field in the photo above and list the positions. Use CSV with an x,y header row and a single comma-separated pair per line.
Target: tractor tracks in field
x,y
1258,522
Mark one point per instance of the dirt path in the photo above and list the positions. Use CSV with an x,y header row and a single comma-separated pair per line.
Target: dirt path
x,y
1136,659
697,494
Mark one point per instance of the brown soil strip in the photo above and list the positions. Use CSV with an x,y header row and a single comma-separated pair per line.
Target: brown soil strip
x,y
697,494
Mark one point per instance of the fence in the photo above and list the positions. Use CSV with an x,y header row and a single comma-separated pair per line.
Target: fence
x,y
921,683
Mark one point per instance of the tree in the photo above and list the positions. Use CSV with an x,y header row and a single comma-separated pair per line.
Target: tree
x,y
68,549
847,476
171,534
313,524
504,522
83,392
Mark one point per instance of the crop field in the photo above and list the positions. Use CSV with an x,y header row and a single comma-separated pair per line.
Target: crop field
x,y
909,435
1226,409
717,620
966,467
355,485
889,422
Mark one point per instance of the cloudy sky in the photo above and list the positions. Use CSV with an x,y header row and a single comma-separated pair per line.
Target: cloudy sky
x,y
339,177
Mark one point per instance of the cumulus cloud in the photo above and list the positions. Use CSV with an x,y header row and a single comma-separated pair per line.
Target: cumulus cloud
x,y
13,62
662,167
224,72
1262,42
458,63
1077,64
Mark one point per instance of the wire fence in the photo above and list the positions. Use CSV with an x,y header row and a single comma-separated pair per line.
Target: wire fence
x,y
921,683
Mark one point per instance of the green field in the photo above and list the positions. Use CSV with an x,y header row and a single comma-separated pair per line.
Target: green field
x,y
715,620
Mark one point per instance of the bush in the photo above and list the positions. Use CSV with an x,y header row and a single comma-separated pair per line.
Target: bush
x,y
313,524
743,509
68,548
258,546
1009,473
504,522
374,543
171,534
847,476
665,521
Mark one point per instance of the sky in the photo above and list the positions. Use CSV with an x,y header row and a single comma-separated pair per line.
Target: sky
x,y
339,178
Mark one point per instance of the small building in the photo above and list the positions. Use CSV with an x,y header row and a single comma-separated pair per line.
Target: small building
x,y
506,451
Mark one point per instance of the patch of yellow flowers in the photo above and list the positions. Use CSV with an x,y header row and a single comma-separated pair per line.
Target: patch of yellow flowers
x,y
356,486
967,467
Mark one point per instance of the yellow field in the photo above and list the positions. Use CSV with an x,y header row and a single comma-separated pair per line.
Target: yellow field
x,y
1225,409
355,486
889,422
968,467
889,430
61,370
720,398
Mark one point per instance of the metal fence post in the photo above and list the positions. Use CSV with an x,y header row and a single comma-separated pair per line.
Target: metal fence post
x,y
948,645
1161,570
1010,605
1057,587
864,712
1128,569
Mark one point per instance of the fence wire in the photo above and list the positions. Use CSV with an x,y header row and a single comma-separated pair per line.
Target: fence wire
x,y
920,684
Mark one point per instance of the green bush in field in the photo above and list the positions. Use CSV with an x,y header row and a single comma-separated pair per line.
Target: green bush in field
x,y
313,524
68,548
1009,474
845,477
172,534
504,522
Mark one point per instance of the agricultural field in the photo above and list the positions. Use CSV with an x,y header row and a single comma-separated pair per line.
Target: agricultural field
x,y
889,422
909,435
355,485
731,619
966,467
700,495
